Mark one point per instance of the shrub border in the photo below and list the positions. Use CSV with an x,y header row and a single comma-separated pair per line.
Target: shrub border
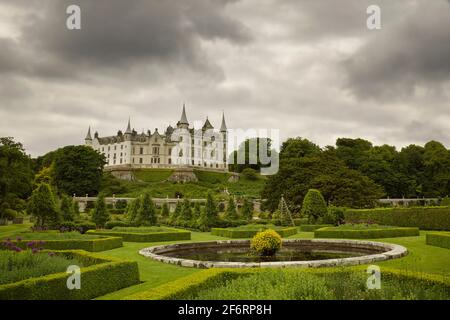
x,y
426,218
242,233
332,232
441,240
173,235
91,245
102,275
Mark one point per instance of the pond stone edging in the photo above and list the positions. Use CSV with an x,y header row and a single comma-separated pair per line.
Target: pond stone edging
x,y
390,251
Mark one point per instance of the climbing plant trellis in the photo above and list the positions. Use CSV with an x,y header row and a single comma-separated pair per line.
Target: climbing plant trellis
x,y
285,213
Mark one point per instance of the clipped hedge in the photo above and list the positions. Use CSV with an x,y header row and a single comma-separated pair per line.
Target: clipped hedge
x,y
172,235
334,232
438,240
313,227
92,245
189,285
242,233
101,275
426,218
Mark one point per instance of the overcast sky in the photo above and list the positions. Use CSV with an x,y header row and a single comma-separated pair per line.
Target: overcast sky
x,y
309,68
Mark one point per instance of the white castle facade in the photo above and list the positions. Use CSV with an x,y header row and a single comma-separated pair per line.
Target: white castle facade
x,y
179,147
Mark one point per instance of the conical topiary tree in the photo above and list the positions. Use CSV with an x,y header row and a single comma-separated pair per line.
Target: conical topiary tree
x,y
133,209
314,206
173,217
165,211
185,217
231,212
100,214
197,211
147,211
66,208
42,205
247,209
211,210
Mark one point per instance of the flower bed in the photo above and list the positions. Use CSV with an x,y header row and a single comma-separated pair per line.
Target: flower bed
x,y
99,275
145,234
249,231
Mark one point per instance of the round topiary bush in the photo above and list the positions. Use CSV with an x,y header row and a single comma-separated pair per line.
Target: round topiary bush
x,y
314,206
266,243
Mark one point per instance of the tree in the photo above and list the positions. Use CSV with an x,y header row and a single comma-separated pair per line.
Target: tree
x,y
250,174
78,170
197,211
352,151
66,208
100,214
186,213
211,209
321,170
173,218
147,211
16,174
133,209
76,209
231,212
250,159
165,211
314,206
247,209
42,205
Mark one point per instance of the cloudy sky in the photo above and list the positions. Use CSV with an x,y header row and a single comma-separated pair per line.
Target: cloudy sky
x,y
309,68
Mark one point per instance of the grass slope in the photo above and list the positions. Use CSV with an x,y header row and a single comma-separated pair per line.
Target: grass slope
x,y
154,182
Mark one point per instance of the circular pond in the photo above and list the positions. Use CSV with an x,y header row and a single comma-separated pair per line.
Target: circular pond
x,y
295,253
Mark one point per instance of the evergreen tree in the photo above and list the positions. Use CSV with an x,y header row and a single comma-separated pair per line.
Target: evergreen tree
x,y
247,209
173,218
147,211
231,212
197,211
211,209
76,209
66,208
186,213
165,211
314,206
100,214
42,205
133,209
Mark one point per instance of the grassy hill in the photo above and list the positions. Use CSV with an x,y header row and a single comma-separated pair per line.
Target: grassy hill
x,y
154,181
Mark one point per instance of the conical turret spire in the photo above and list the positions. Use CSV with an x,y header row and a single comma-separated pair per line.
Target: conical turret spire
x,y
183,119
223,126
88,136
128,126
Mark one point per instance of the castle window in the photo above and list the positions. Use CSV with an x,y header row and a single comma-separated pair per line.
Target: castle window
x,y
121,147
192,162
120,160
155,150
133,160
140,160
115,147
217,165
170,161
170,151
114,162
141,151
109,148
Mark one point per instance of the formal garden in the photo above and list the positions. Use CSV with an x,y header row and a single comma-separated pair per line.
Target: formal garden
x,y
316,245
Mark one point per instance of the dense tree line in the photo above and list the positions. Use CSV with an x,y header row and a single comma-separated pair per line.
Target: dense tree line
x,y
354,173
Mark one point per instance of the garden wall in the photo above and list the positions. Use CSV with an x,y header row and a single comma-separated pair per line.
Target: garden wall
x,y
332,232
438,240
174,235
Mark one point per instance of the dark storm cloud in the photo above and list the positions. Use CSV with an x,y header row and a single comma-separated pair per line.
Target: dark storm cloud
x,y
117,33
413,53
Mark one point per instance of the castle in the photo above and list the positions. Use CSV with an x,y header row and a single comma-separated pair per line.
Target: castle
x,y
180,147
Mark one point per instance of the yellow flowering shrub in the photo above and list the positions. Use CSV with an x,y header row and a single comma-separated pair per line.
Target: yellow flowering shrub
x,y
266,243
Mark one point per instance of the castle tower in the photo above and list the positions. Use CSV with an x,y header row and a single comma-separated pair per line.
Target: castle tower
x,y
128,132
223,133
183,123
88,139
